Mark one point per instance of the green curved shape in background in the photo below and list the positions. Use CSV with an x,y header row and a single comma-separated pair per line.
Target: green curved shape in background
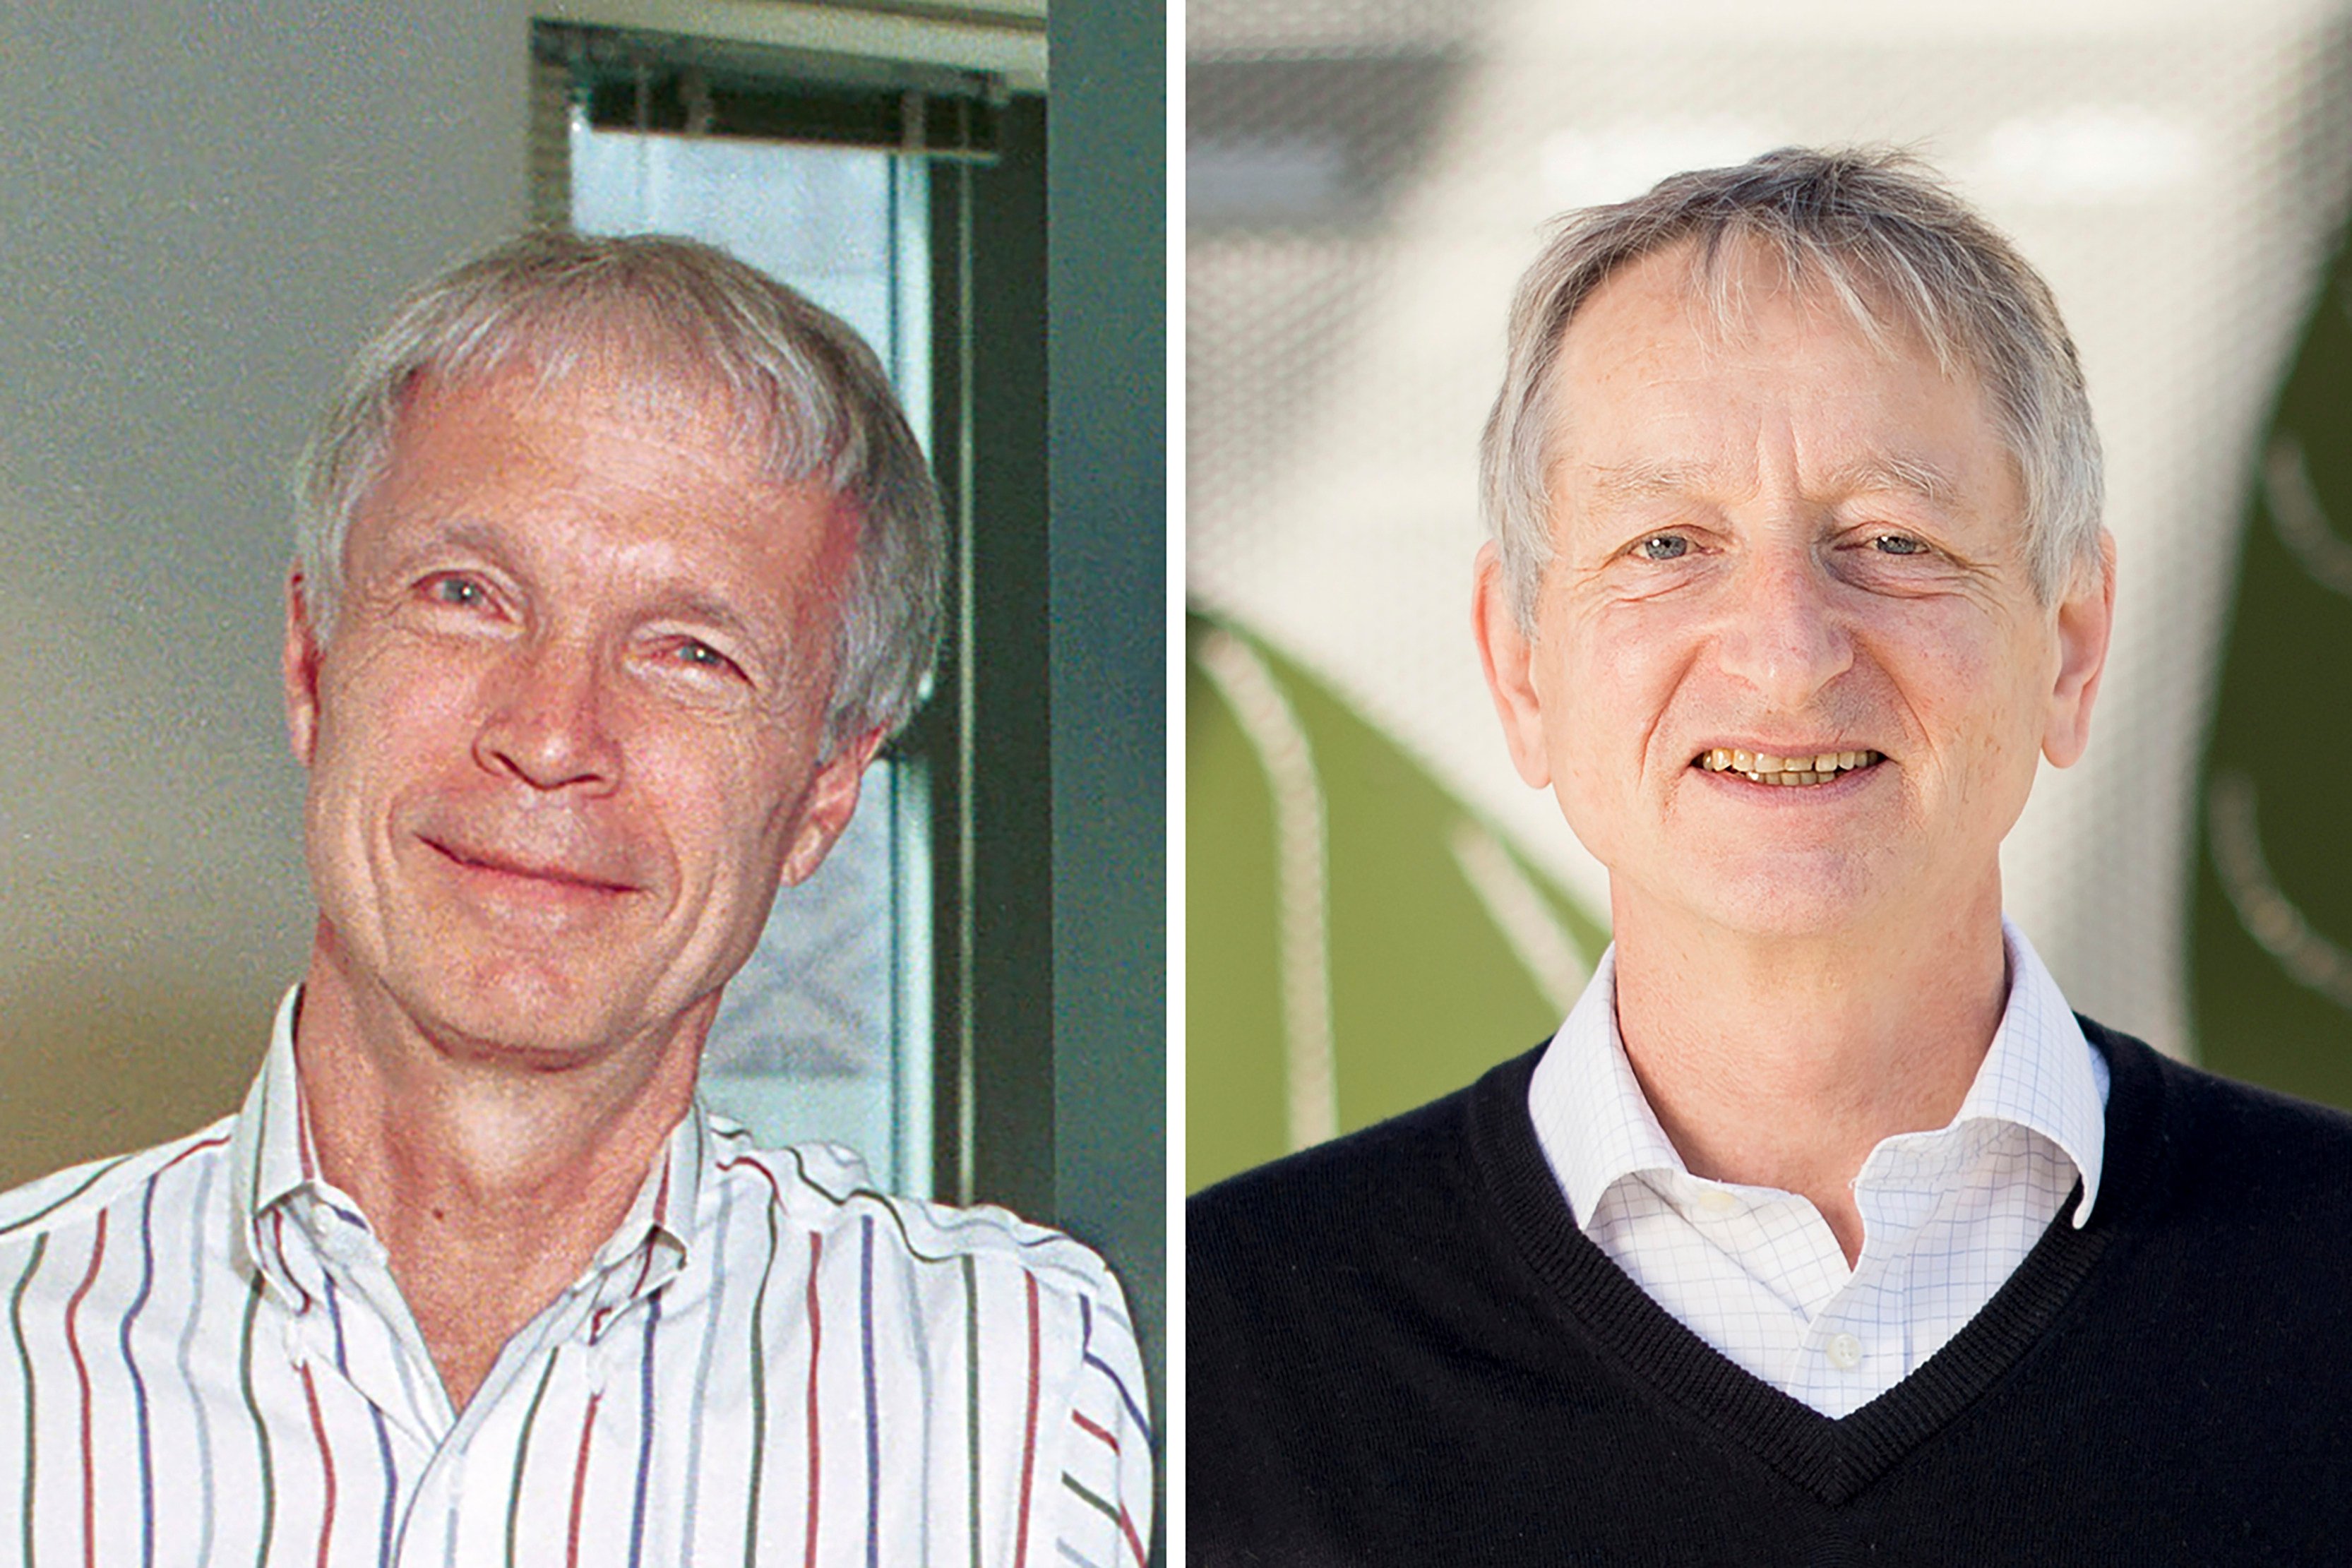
x,y
1425,990
2271,938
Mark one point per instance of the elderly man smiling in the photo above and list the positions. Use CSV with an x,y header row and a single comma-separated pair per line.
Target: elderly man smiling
x,y
1822,1231
616,563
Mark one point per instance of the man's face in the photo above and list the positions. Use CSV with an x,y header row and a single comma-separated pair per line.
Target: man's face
x,y
564,741
1790,542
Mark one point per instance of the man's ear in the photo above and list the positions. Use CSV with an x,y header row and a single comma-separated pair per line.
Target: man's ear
x,y
298,665
831,801
2086,619
1508,656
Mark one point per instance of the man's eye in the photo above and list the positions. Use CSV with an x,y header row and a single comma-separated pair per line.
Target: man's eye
x,y
701,655
462,591
1663,547
1898,543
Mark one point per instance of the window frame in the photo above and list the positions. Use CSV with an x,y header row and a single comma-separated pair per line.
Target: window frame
x,y
982,745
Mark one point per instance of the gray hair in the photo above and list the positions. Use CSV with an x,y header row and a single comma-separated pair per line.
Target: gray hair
x,y
1880,234
671,311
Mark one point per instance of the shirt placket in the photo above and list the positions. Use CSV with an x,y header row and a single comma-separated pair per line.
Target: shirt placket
x,y
346,1319
351,1322
1858,1346
1792,1256
586,1334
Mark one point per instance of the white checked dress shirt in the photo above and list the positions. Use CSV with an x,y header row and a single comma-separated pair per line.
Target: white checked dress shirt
x,y
206,1361
1756,1272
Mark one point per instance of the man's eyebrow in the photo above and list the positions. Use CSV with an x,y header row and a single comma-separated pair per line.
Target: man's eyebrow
x,y
1899,472
705,608
458,532
1875,473
1617,484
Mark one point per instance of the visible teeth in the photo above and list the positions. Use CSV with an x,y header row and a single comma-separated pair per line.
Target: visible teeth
x,y
1764,768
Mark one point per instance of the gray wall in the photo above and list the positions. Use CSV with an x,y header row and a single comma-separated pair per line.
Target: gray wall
x,y
206,206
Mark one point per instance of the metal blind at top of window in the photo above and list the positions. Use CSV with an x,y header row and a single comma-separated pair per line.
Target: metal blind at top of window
x,y
661,83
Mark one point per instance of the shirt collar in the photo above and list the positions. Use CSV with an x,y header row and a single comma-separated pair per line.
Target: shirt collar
x,y
271,1155
267,1152
1593,1120
2040,1071
663,1211
1596,1127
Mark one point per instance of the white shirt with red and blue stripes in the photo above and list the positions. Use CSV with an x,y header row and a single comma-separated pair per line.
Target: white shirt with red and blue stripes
x,y
204,1360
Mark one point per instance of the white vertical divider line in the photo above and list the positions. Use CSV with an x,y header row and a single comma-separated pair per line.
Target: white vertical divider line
x,y
1536,938
1271,726
967,1045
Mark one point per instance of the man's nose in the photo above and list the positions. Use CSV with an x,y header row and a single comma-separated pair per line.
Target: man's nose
x,y
1781,629
547,720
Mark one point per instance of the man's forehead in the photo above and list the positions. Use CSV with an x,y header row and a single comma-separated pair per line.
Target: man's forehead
x,y
542,452
510,420
671,395
1722,295
1662,318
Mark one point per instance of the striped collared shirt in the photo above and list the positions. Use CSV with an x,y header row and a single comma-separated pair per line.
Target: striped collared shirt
x,y
206,1360
1756,1272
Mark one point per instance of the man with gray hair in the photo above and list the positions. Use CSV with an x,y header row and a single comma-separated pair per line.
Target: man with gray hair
x,y
615,565
1822,1230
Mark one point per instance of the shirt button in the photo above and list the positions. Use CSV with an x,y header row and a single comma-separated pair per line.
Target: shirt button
x,y
1844,1352
1715,1201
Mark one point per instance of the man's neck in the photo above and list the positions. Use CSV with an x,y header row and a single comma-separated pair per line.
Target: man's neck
x,y
491,1184
1782,1063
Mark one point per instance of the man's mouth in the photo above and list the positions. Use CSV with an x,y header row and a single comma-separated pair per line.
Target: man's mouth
x,y
553,874
1764,768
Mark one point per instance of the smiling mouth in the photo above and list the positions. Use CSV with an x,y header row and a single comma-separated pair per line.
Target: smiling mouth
x,y
549,876
1763,767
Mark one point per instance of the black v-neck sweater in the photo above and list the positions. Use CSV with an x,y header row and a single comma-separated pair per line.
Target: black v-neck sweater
x,y
1399,1349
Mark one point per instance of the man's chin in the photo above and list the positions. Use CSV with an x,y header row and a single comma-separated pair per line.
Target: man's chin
x,y
1796,899
530,1017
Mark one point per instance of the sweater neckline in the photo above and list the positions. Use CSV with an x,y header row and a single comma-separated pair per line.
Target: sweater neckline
x,y
1831,1458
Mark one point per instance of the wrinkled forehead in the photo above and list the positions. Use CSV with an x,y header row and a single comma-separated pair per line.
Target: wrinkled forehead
x,y
647,368
1735,299
1728,281
1671,377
